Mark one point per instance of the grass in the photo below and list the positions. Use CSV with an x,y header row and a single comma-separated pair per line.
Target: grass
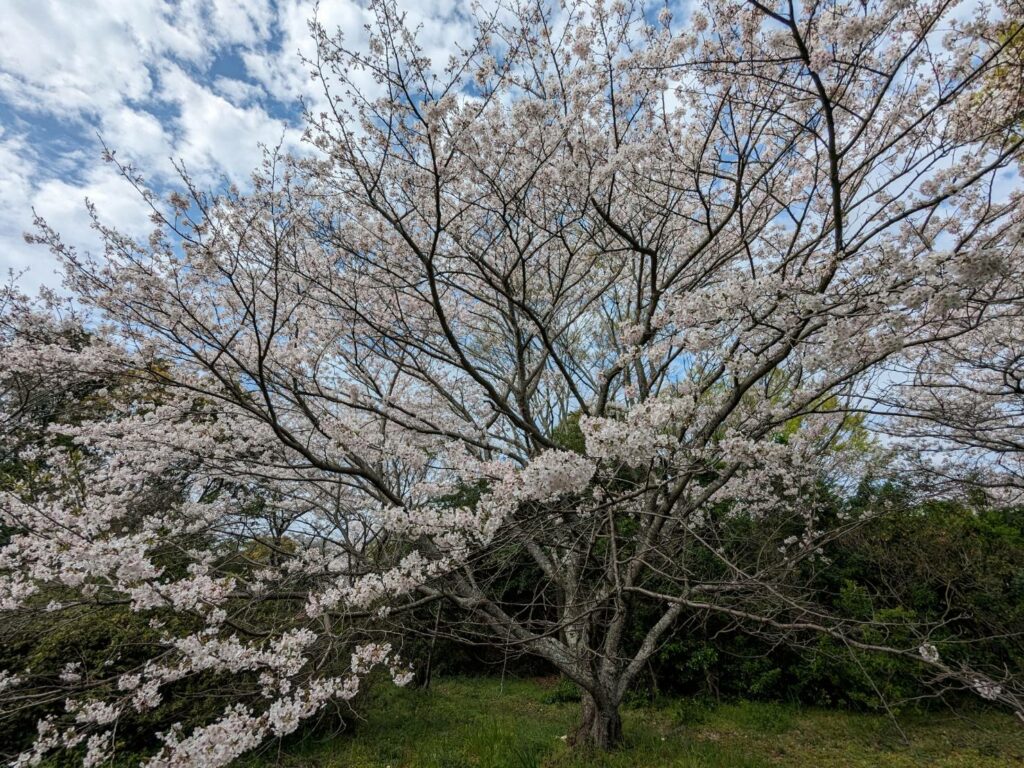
x,y
479,723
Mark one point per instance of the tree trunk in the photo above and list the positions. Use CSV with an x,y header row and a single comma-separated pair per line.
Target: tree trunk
x,y
601,726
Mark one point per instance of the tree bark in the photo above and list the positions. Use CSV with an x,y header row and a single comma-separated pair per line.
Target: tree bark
x,y
601,725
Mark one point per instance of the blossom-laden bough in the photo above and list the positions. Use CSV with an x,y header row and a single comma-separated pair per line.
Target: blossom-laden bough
x,y
582,297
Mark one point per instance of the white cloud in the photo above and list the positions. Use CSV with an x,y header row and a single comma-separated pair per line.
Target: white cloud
x,y
91,55
85,61
63,204
155,79
138,135
286,76
126,70
60,202
238,92
16,171
441,24
214,136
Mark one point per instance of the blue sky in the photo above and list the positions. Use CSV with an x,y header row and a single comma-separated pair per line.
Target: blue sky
x,y
201,81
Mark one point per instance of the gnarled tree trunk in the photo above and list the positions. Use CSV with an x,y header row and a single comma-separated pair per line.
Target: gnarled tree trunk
x,y
601,724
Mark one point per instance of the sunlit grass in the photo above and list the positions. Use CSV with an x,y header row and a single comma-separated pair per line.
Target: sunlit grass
x,y
480,723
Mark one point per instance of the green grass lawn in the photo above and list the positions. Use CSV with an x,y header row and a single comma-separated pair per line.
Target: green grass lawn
x,y
476,722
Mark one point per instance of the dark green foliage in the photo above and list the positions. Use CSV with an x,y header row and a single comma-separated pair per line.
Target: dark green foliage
x,y
103,642
935,563
564,692
568,436
940,563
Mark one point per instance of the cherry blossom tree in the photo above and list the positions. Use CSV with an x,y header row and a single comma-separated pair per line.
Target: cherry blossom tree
x,y
957,408
601,294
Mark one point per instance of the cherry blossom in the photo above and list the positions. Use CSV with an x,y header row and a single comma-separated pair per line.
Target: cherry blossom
x,y
582,297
